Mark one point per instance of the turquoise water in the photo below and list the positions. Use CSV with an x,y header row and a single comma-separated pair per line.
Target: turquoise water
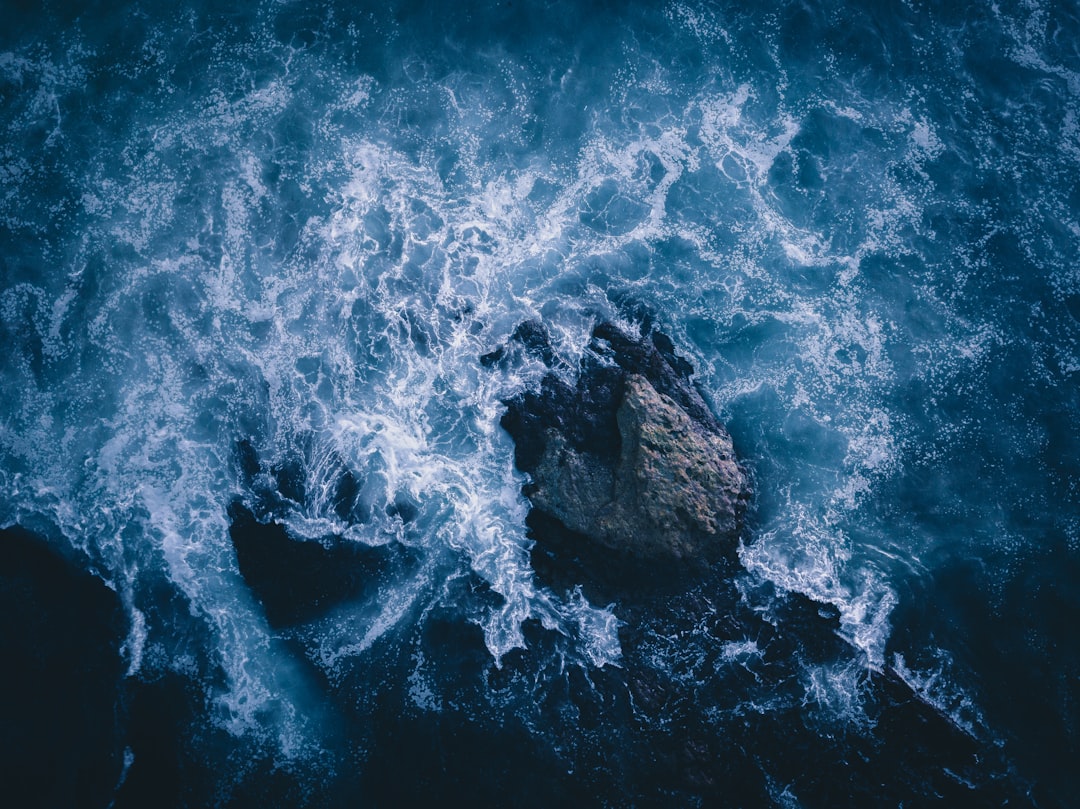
x,y
295,228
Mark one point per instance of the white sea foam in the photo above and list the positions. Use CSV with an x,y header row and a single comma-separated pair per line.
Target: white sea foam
x,y
357,347
350,632
836,689
808,555
135,644
940,687
421,689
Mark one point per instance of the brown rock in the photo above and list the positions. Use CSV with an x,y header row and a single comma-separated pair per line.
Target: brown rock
x,y
674,490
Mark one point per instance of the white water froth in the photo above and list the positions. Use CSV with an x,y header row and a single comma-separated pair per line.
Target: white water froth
x,y
363,339
432,430
836,690
938,686
810,557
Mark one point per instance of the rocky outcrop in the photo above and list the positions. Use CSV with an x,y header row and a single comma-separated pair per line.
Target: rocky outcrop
x,y
630,457
632,479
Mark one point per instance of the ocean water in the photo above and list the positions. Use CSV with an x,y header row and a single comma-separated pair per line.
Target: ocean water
x,y
263,538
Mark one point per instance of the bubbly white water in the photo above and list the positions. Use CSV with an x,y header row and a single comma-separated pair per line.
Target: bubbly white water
x,y
364,338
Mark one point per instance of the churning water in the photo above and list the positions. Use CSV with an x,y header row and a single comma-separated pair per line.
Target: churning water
x,y
249,261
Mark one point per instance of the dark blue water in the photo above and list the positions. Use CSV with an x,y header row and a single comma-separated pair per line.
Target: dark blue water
x,y
263,539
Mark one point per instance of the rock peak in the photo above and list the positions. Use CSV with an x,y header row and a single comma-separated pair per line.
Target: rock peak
x,y
631,458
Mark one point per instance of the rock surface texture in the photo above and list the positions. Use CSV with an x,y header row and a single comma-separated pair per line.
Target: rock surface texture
x,y
631,457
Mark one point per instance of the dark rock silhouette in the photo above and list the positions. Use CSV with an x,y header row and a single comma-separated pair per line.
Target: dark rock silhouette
x,y
298,580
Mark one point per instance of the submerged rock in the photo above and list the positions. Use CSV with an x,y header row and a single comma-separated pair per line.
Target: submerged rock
x,y
299,579
631,457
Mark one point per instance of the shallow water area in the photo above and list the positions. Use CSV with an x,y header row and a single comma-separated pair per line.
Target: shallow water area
x,y
250,262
